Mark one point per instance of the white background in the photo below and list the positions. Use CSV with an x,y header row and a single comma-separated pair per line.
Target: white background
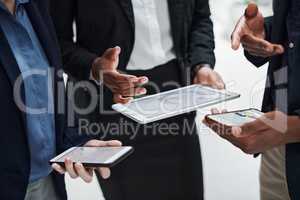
x,y
228,173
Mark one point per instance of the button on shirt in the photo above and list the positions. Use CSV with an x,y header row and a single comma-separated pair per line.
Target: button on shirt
x,y
35,71
153,39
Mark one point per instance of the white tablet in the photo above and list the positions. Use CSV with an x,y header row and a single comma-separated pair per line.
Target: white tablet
x,y
172,103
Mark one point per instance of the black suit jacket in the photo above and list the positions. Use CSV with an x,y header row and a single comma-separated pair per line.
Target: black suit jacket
x,y
107,23
14,149
276,32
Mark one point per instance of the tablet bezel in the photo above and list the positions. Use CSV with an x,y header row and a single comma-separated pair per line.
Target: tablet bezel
x,y
110,162
123,109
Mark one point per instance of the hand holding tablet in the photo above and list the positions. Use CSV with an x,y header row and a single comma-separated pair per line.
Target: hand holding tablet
x,y
94,155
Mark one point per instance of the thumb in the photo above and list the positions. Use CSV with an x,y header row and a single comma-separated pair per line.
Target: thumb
x,y
112,53
278,49
251,11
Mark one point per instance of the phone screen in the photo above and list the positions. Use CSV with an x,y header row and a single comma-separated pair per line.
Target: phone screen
x,y
237,118
93,155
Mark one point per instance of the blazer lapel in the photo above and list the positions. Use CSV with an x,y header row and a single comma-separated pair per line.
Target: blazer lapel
x,y
279,20
128,11
8,60
46,37
177,18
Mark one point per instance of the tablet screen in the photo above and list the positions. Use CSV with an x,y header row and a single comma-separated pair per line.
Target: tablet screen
x,y
172,103
174,100
96,155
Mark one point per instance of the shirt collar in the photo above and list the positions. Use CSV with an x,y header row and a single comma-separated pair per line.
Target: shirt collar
x,y
18,2
21,2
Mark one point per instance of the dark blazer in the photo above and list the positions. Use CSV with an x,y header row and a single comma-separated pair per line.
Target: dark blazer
x,y
107,23
14,150
276,31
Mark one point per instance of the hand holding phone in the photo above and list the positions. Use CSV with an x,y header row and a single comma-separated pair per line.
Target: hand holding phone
x,y
95,155
257,135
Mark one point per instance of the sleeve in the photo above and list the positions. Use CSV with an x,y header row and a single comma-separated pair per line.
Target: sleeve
x,y
259,61
76,59
297,112
73,137
201,40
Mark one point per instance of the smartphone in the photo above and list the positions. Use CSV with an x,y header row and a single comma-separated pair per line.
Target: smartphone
x,y
235,118
94,156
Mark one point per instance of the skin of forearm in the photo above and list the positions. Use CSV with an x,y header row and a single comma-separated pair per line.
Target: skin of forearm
x,y
293,132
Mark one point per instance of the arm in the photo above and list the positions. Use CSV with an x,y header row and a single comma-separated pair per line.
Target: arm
x,y
259,61
201,41
201,48
77,60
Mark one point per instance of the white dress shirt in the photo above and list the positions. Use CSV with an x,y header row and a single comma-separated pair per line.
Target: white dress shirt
x,y
273,180
153,40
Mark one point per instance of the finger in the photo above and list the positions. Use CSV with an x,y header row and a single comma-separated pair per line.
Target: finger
x,y
70,168
95,143
124,78
217,83
100,143
140,91
104,172
85,175
236,38
58,168
254,49
133,92
141,81
112,53
263,55
251,11
237,132
269,48
122,100
224,111
114,143
278,49
215,111
253,127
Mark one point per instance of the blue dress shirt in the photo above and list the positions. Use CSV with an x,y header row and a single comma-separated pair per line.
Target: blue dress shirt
x,y
38,85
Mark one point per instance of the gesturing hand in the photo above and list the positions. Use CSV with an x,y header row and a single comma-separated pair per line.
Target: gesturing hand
x,y
78,170
123,86
250,32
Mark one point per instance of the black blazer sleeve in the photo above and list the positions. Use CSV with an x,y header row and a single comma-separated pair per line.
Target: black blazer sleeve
x,y
259,61
201,42
76,59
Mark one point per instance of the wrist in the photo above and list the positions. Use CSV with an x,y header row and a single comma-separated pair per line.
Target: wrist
x,y
293,132
96,68
197,68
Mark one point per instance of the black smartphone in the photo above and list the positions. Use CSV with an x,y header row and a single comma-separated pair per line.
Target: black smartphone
x,y
235,118
94,156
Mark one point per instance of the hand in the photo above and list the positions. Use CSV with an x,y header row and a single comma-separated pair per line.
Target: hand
x,y
206,76
250,32
123,86
78,170
271,130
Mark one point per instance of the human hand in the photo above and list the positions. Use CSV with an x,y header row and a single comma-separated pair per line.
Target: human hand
x,y
207,76
250,32
271,130
123,86
78,170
